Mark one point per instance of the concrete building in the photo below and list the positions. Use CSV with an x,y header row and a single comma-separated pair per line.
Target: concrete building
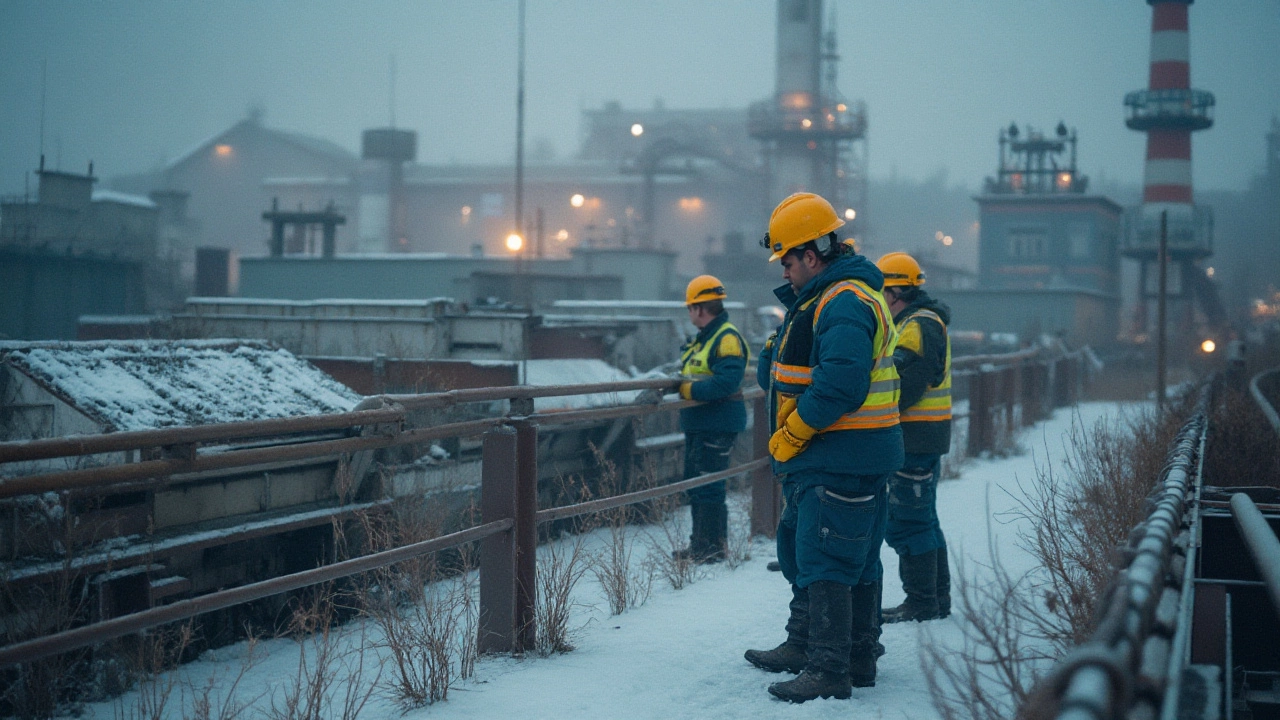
x,y
72,250
1048,257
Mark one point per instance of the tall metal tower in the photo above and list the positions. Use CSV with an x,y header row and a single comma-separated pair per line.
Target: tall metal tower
x,y
1168,112
814,139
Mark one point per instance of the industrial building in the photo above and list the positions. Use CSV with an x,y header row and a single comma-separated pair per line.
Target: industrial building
x,y
1048,250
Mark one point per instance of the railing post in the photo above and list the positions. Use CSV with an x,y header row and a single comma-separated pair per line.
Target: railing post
x,y
497,620
526,532
766,494
979,412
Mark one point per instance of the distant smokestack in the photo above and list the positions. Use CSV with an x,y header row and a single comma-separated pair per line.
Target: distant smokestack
x,y
1167,176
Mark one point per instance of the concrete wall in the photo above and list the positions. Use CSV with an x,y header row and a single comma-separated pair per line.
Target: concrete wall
x,y
1081,316
1076,237
411,330
42,294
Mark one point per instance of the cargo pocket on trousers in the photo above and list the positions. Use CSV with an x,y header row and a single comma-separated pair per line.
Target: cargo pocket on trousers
x,y
845,522
911,488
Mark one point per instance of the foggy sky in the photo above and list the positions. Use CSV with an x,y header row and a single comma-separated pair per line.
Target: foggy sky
x,y
134,83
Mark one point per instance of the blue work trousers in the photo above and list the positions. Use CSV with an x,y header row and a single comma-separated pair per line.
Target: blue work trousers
x,y
832,527
913,506
706,452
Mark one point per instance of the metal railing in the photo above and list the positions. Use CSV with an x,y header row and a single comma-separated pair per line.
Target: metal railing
x,y
1272,377
509,515
509,472
1133,656
1014,390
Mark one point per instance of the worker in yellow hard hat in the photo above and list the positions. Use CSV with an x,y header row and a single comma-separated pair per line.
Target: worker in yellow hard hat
x,y
923,359
833,392
713,363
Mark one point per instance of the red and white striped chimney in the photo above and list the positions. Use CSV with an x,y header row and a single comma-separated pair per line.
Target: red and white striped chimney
x,y
1168,167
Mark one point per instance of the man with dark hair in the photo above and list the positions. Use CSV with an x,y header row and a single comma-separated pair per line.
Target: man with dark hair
x,y
833,392
713,364
923,359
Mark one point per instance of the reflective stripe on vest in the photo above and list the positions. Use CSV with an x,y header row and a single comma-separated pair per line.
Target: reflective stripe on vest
x,y
696,359
935,404
880,408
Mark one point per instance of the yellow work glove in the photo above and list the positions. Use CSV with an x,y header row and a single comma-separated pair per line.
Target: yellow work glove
x,y
791,439
686,390
787,407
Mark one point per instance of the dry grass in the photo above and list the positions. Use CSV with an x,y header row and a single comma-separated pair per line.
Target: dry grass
x,y
561,565
426,614
1072,521
331,679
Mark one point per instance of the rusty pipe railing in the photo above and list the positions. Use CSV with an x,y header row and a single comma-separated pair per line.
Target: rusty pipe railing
x,y
16,451
1262,543
1264,404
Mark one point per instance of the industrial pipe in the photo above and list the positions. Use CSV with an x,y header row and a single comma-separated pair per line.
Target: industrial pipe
x,y
1262,543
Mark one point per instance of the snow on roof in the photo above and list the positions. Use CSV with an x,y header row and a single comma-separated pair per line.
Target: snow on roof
x,y
122,198
142,385
577,372
663,304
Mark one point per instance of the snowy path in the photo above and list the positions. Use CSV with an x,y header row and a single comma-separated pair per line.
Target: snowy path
x,y
680,654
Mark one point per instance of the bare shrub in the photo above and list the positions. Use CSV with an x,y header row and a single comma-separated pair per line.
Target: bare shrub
x,y
624,584
560,566
158,651
217,698
330,679
1071,522
669,534
738,543
1000,658
426,621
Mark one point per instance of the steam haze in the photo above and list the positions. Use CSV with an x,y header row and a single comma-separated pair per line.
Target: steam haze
x,y
134,84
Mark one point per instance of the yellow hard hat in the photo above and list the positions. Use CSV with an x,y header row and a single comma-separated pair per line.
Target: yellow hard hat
x,y
704,288
900,269
797,220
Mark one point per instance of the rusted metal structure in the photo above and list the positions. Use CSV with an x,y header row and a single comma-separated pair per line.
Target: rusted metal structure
x,y
513,445
1190,627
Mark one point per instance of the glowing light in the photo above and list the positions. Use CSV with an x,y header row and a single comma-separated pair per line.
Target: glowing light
x,y
1208,346
831,118
577,200
806,123
612,222
466,211
1064,181
222,150
938,236
797,100
1208,271
850,213
691,204
947,240
515,242
841,107
637,130
813,145
562,235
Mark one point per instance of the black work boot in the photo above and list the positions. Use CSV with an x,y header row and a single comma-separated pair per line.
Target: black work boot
x,y
919,579
791,655
944,583
865,644
826,674
703,547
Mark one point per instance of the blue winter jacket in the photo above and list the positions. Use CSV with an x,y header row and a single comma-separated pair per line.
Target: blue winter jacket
x,y
841,360
717,414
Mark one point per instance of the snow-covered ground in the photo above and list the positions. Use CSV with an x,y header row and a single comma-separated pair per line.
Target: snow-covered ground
x,y
680,654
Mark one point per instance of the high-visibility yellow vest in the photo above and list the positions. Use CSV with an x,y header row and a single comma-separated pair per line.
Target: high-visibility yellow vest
x,y
935,404
696,358
791,373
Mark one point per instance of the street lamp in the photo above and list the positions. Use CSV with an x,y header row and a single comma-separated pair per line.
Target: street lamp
x,y
577,200
637,130
515,242
850,213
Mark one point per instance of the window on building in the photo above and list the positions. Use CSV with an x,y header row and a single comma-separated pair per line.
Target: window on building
x,y
1028,243
1080,240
